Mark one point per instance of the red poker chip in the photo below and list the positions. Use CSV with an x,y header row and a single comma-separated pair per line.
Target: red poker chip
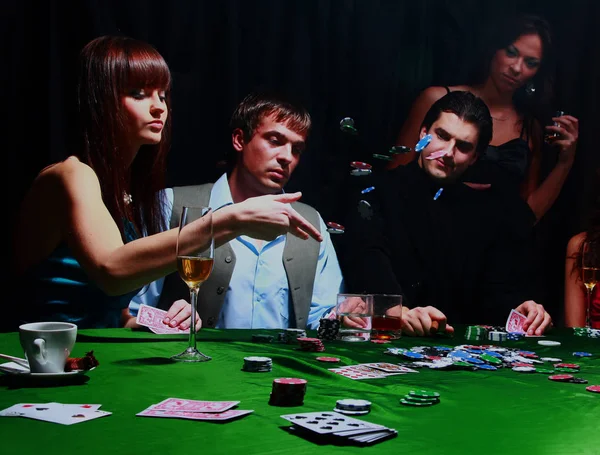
x,y
290,381
328,359
360,165
380,341
561,377
593,388
567,365
332,225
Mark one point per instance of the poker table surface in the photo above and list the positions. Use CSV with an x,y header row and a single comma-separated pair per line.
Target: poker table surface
x,y
483,412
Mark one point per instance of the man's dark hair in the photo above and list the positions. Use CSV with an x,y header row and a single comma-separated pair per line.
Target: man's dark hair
x,y
469,108
258,105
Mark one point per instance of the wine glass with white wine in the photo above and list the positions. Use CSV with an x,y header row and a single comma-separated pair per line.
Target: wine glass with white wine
x,y
194,264
590,269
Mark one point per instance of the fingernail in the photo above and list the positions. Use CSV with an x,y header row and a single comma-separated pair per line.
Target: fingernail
x,y
173,323
166,320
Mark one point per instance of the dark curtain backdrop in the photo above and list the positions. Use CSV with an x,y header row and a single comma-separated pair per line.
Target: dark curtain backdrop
x,y
366,59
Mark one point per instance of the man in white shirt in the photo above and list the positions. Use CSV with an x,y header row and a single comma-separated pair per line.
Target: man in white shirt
x,y
283,283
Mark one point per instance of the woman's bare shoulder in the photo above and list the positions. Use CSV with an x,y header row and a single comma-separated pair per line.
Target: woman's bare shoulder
x,y
63,173
576,241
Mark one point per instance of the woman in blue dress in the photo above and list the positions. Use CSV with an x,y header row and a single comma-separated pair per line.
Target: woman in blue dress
x,y
88,235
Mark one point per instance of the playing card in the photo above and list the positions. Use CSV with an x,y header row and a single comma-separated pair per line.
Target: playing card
x,y
55,412
359,372
329,422
180,405
389,367
515,322
152,318
218,416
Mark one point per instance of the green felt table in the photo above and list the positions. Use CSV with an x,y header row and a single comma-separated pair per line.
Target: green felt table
x,y
497,412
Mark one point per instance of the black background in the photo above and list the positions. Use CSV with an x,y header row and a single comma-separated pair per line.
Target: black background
x,y
365,59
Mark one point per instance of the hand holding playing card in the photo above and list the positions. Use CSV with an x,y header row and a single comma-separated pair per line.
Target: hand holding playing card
x,y
538,319
154,318
179,314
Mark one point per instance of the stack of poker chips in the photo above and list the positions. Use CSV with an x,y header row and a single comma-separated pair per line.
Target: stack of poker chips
x,y
291,335
352,407
420,398
514,336
586,332
311,344
257,364
262,338
496,335
328,329
476,333
288,392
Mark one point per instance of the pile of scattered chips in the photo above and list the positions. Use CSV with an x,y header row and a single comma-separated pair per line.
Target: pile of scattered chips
x,y
488,357
353,407
288,392
256,364
586,332
311,344
328,329
420,398
290,336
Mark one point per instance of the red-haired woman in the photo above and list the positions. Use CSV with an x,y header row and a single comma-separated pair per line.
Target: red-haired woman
x,y
88,235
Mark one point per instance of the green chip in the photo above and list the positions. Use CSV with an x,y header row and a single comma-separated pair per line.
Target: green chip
x,y
433,400
566,370
490,359
544,370
460,363
424,394
382,157
415,403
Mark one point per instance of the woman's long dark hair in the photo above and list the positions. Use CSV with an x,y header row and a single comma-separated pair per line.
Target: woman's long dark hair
x,y
110,67
535,105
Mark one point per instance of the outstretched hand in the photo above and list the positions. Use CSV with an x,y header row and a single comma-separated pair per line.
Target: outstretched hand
x,y
267,217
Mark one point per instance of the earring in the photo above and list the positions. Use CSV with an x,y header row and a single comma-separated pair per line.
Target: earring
x,y
530,88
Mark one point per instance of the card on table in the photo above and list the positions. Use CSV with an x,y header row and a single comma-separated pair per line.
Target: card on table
x,y
215,416
152,318
336,426
65,414
360,372
181,405
389,367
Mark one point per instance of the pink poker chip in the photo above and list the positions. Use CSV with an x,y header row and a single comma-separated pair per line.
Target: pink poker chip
x,y
328,359
290,381
593,388
360,165
567,365
561,377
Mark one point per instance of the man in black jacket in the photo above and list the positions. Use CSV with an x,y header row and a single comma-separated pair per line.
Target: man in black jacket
x,y
448,248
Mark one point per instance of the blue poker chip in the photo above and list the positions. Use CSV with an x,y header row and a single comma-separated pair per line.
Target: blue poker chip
x,y
423,142
367,190
485,366
413,355
473,360
443,348
582,354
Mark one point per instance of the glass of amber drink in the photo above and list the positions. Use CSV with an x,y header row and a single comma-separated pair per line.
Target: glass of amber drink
x,y
387,317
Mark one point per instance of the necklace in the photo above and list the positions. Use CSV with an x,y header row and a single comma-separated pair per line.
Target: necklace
x,y
127,198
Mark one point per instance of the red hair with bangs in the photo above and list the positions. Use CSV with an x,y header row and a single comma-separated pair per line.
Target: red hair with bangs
x,y
111,67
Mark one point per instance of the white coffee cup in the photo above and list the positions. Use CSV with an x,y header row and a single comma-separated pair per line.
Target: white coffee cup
x,y
47,345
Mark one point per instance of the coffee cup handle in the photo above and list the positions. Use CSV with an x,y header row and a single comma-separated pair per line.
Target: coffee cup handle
x,y
41,353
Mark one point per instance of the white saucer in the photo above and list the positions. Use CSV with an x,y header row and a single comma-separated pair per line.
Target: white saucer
x,y
14,369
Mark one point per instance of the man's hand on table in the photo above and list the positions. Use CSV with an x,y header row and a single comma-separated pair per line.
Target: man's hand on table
x,y
538,319
424,321
354,305
179,316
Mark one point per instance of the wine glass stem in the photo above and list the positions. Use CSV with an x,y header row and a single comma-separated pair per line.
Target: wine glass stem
x,y
193,302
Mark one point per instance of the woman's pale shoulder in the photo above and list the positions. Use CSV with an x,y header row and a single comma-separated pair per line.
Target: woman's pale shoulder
x,y
69,168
